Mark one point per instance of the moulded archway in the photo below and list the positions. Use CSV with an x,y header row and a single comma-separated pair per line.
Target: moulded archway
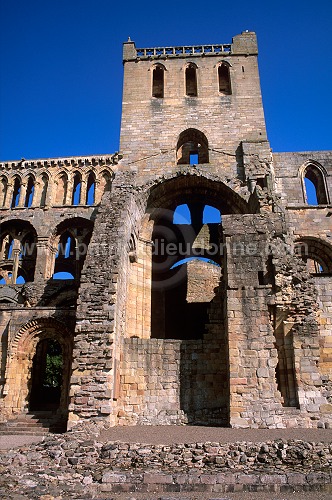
x,y
21,357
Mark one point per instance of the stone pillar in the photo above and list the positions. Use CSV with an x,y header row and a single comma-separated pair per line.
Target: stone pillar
x,y
23,193
16,262
36,194
83,192
45,259
69,193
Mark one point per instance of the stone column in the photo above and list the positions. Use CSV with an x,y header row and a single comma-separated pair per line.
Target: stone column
x,y
23,193
16,262
45,259
83,192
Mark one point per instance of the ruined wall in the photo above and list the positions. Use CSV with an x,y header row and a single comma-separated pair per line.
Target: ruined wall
x,y
262,356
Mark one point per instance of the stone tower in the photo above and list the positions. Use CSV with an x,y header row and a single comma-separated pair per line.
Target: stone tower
x,y
198,268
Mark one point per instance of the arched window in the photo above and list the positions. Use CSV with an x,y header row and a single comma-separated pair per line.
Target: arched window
x,y
44,187
16,193
316,254
76,198
192,148
3,191
158,81
29,193
62,186
224,80
91,189
191,80
66,248
314,186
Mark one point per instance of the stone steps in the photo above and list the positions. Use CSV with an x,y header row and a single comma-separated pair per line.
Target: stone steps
x,y
34,424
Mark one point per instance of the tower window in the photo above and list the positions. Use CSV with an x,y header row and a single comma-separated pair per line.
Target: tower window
x,y
191,81
158,82
224,79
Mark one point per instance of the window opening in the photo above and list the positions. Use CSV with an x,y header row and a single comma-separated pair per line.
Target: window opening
x,y
44,190
29,193
314,186
182,215
192,148
158,82
16,193
191,81
211,215
224,79
193,158
311,192
91,188
77,190
63,275
314,267
188,259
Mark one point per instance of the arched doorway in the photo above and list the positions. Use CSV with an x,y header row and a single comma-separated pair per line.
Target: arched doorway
x,y
39,367
46,376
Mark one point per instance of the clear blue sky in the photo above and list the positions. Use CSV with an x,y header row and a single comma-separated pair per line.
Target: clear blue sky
x,y
61,67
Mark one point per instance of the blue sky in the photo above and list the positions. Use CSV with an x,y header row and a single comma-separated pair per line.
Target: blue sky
x,y
61,67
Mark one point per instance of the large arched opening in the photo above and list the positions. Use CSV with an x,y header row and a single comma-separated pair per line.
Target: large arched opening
x,y
177,303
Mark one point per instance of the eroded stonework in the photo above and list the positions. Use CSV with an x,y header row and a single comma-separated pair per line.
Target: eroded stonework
x,y
186,279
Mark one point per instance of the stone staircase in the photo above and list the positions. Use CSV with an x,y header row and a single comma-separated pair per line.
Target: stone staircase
x,y
36,423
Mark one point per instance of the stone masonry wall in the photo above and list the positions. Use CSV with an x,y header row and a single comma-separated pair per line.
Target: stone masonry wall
x,y
173,382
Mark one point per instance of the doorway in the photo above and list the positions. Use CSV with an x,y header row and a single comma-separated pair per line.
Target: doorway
x,y
47,376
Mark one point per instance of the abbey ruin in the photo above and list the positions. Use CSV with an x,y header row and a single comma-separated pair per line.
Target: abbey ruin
x,y
120,299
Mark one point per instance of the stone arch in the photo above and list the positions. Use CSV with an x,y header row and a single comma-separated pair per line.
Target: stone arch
x,y
315,250
79,230
18,377
192,142
315,173
22,260
150,305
